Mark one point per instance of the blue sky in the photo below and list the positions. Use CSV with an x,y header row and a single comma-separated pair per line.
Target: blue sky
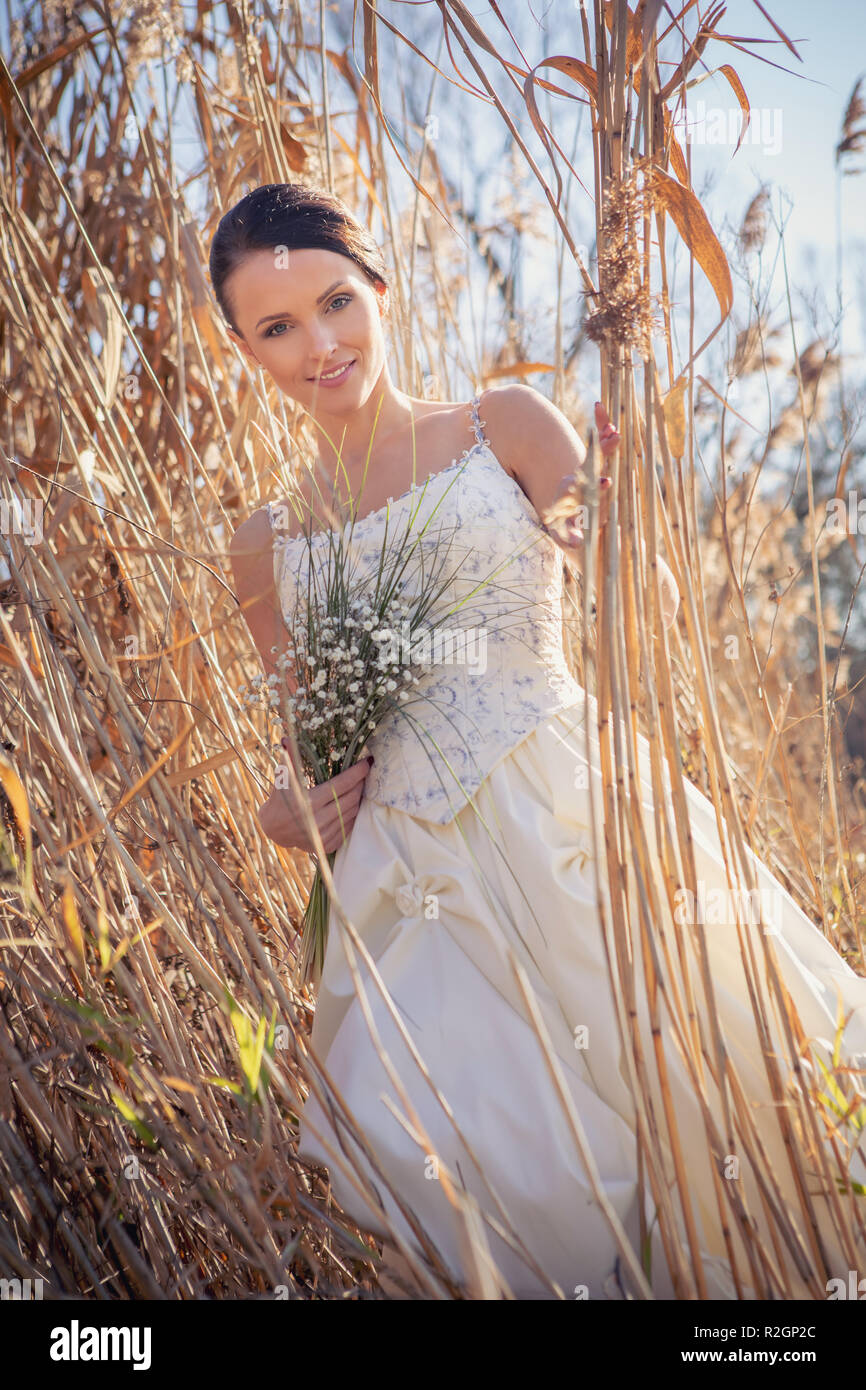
x,y
799,106
807,104
797,110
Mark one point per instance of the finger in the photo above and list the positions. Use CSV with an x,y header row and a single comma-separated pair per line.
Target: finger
x,y
328,812
347,809
351,800
602,419
330,792
333,838
567,534
356,773
608,434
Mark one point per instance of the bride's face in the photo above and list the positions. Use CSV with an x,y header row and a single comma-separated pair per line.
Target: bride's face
x,y
305,312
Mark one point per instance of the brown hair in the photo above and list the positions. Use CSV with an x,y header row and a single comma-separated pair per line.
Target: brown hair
x,y
296,216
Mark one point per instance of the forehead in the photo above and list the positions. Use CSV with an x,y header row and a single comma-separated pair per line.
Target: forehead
x,y
299,277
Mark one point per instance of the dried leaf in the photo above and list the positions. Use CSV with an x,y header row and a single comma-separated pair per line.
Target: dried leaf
x,y
109,325
674,409
14,789
694,228
731,75
74,934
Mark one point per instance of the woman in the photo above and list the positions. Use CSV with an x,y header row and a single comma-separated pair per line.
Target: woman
x,y
464,843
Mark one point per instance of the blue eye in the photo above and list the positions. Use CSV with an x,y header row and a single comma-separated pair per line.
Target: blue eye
x,y
270,332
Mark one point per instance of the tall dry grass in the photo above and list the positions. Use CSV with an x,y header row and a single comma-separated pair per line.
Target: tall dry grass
x,y
153,1044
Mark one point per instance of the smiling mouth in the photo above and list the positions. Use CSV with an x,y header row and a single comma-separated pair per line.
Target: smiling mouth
x,y
333,372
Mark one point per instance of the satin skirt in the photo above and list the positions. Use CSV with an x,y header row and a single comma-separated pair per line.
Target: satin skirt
x,y
445,912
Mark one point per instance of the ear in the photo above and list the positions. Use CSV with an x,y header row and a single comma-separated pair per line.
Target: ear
x,y
243,345
384,301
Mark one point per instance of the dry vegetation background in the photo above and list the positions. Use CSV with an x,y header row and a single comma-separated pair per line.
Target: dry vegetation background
x,y
151,1033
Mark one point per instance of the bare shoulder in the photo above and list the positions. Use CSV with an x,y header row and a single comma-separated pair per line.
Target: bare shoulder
x,y
532,439
251,540
251,555
521,416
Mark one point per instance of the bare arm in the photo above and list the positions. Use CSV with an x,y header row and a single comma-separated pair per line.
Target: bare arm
x,y
253,569
541,451
334,803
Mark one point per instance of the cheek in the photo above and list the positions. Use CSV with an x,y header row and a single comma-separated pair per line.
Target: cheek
x,y
362,320
275,349
283,353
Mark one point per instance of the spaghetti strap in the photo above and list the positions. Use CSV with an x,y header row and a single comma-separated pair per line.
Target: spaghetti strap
x,y
477,424
274,518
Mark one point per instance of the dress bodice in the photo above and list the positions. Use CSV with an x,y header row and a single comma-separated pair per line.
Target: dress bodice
x,y
500,670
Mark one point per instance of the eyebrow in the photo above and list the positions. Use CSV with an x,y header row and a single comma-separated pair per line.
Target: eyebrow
x,y
269,318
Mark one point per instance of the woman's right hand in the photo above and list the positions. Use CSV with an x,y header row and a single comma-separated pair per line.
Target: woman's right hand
x,y
334,804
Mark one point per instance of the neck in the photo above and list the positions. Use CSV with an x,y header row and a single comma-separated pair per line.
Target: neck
x,y
345,442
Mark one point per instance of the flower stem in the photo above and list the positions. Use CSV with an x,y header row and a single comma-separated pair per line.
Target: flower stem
x,y
314,928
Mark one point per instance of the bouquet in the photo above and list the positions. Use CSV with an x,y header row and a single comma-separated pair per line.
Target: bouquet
x,y
350,659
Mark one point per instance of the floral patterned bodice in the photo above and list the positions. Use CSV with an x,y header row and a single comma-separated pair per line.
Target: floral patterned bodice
x,y
502,671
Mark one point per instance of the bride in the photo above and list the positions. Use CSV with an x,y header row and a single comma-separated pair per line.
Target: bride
x,y
465,863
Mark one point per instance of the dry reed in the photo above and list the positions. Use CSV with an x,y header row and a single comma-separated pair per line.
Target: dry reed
x,y
152,1047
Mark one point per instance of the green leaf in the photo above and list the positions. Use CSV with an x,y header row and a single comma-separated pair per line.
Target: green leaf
x,y
250,1046
226,1085
855,1186
141,1129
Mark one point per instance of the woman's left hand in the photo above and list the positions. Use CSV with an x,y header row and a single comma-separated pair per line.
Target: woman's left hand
x,y
568,533
608,438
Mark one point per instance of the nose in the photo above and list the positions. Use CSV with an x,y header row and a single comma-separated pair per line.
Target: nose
x,y
322,347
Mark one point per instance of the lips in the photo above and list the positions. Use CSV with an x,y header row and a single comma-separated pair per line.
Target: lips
x,y
335,380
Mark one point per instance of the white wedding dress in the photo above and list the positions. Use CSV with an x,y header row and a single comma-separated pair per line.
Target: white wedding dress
x,y
473,849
